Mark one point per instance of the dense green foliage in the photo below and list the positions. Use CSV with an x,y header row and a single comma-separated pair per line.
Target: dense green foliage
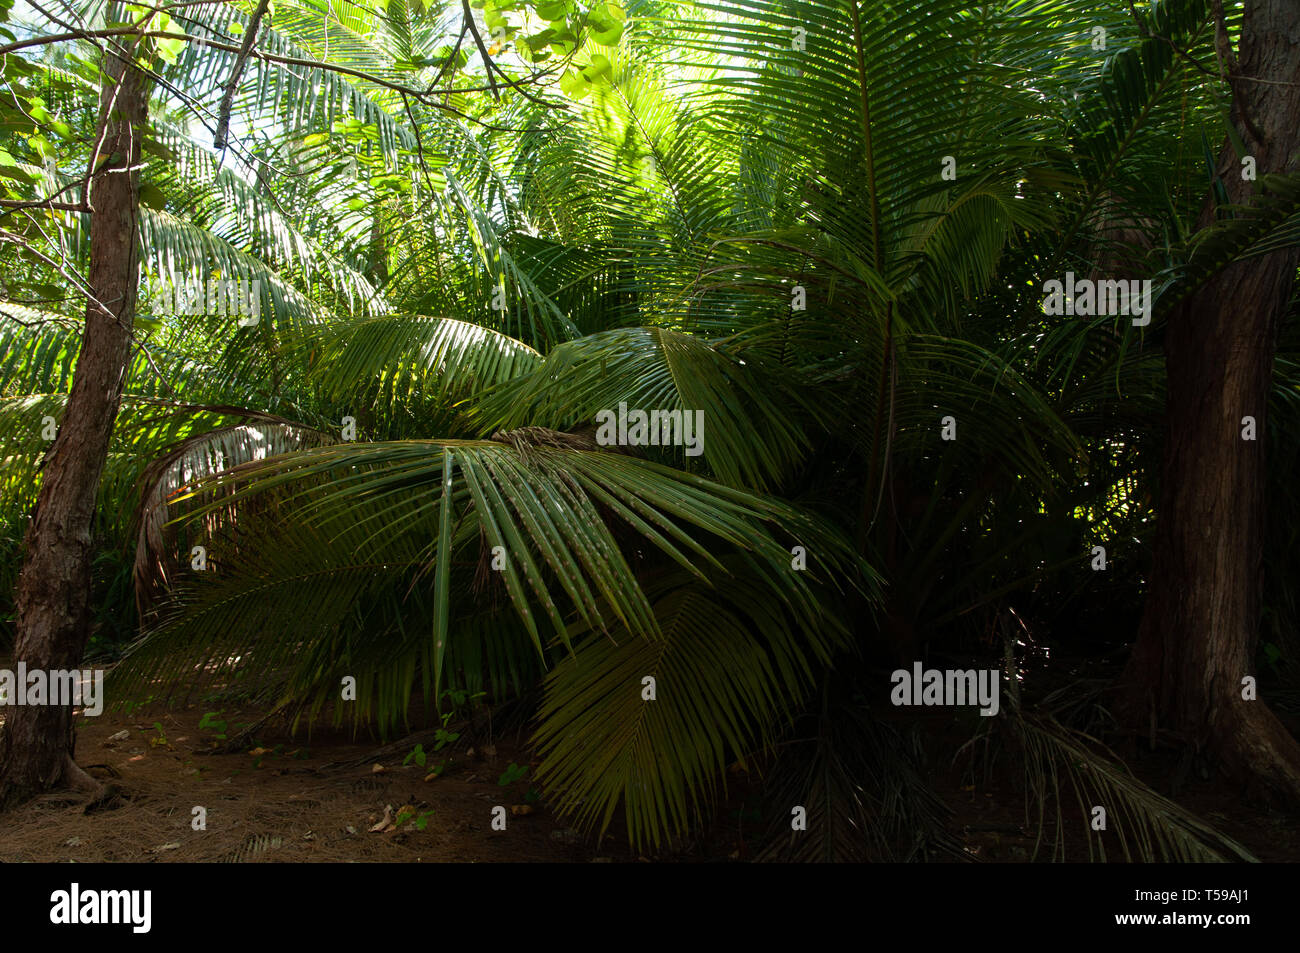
x,y
472,283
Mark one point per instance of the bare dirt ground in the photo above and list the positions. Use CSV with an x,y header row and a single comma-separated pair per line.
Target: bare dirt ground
x,y
286,799
324,797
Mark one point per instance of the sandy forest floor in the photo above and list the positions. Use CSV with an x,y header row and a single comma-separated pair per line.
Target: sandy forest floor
x,y
323,798
282,799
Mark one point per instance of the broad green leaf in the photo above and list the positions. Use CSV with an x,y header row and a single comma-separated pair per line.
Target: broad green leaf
x,y
553,9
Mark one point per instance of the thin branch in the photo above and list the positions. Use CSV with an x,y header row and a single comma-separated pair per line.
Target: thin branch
x,y
144,349
1232,71
478,41
74,280
228,98
46,203
59,319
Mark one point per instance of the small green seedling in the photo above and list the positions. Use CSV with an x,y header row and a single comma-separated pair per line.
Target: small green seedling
x,y
417,755
512,774
442,737
212,721
460,699
407,813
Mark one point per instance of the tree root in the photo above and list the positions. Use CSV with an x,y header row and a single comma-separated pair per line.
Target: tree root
x,y
78,779
101,795
1256,748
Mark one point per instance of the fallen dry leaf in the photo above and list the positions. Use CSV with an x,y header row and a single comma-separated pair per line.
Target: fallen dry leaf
x,y
385,822
378,769
258,752
518,809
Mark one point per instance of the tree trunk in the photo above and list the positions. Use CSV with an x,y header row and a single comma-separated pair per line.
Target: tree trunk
x,y
53,595
1197,638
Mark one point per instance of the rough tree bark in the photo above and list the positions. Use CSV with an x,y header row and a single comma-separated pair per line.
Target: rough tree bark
x,y
53,595
1197,637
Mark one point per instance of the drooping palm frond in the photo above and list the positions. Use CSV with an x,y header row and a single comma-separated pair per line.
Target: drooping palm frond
x,y
649,723
250,217
38,350
444,356
194,459
27,426
750,435
179,249
1270,223
861,788
813,79
1146,826
335,528
1127,115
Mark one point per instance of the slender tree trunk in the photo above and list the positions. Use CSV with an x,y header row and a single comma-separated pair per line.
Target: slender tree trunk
x,y
1197,638
378,251
53,596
